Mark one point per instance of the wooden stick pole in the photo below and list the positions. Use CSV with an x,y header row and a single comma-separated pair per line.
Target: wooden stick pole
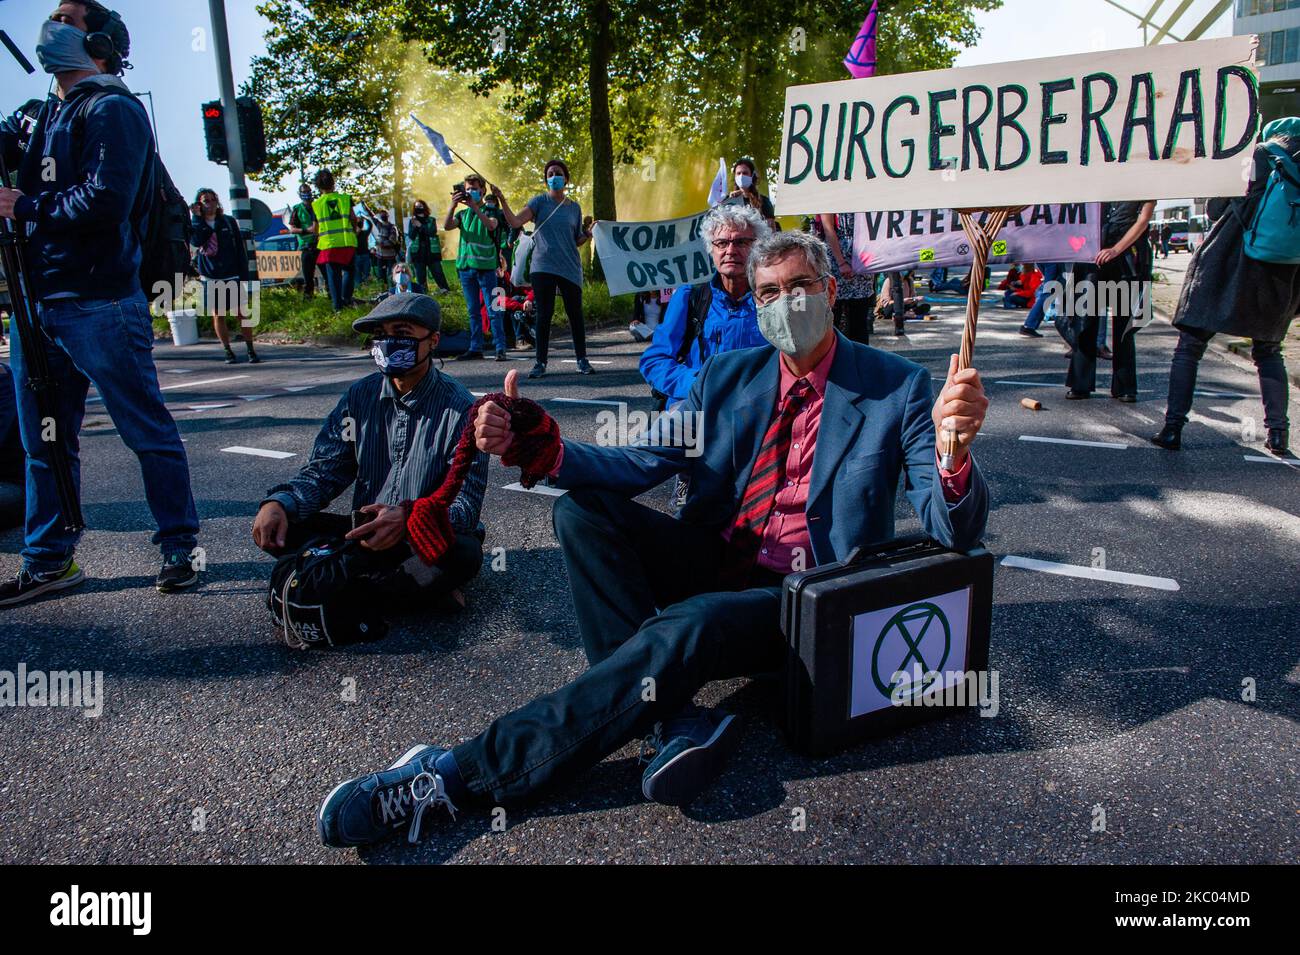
x,y
981,241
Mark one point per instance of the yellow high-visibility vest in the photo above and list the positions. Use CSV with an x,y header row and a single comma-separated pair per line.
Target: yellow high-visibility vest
x,y
334,213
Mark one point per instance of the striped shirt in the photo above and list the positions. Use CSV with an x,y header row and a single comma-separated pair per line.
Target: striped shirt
x,y
391,448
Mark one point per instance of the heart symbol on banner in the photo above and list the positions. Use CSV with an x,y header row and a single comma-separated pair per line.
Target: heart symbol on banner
x,y
865,258
1077,242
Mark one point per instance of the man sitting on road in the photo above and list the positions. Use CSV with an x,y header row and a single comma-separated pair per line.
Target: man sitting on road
x,y
704,320
805,448
391,438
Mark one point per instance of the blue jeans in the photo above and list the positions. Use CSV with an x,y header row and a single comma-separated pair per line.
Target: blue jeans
x,y
1052,272
360,268
474,282
338,279
110,344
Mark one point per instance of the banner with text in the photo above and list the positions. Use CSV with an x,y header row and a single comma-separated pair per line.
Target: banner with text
x,y
926,239
1155,122
642,256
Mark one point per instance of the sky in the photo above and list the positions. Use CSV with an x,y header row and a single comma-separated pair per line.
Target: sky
x,y
172,51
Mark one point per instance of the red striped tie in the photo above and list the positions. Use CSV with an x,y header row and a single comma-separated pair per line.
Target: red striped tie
x,y
767,477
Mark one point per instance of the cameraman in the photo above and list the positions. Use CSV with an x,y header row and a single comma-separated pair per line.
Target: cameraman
x,y
85,185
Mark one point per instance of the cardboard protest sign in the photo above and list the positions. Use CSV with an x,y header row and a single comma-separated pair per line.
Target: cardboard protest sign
x,y
641,256
925,239
1154,122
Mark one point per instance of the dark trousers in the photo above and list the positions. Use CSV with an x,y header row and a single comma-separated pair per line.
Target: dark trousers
x,y
545,286
338,280
1267,357
853,318
386,573
654,631
423,270
1081,378
309,271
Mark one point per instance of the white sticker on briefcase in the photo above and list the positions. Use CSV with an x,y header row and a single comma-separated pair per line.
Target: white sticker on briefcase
x,y
926,635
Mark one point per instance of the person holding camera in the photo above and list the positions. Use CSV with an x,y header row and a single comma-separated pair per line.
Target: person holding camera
x,y
424,248
222,262
85,184
554,264
477,259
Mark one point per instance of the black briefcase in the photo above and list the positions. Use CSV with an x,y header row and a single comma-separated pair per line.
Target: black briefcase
x,y
867,635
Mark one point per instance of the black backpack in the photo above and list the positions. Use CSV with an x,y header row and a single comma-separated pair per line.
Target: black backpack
x,y
697,312
314,597
164,231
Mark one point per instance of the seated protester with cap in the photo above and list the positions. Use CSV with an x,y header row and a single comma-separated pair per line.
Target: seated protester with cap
x,y
705,320
806,444
86,184
391,438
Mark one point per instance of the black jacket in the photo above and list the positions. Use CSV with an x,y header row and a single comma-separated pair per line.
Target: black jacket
x,y
1228,292
84,222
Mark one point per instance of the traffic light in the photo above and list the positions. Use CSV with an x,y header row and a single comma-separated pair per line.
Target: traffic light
x,y
251,133
214,132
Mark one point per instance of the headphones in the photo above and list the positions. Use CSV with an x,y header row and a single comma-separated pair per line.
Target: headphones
x,y
100,44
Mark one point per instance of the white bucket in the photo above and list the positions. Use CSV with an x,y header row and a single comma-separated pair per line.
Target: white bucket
x,y
185,326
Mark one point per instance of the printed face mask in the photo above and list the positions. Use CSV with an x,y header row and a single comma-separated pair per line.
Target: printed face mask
x,y
402,282
795,331
744,180
62,48
555,182
396,355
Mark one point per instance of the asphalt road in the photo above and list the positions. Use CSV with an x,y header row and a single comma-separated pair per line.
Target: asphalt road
x,y
216,743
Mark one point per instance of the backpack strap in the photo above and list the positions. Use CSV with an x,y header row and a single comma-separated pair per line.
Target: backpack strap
x,y
697,310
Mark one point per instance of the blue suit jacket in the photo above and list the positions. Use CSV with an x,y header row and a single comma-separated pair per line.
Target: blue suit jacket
x,y
875,423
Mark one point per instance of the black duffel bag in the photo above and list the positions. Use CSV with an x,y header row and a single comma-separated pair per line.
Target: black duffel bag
x,y
318,596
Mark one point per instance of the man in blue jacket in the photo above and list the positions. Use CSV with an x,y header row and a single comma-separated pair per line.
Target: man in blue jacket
x,y
728,320
85,184
806,442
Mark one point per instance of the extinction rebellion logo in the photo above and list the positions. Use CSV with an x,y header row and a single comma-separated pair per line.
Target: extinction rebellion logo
x,y
913,647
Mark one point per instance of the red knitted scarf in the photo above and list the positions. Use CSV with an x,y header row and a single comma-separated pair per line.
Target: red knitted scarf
x,y
535,448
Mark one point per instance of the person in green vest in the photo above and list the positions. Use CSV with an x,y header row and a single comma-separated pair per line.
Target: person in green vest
x,y
477,259
424,248
301,219
336,238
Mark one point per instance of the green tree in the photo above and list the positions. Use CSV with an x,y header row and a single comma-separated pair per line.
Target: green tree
x,y
331,88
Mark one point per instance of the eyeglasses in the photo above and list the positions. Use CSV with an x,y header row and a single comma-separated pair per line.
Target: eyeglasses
x,y
723,244
767,294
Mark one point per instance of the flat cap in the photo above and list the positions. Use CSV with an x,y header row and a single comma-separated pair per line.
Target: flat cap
x,y
404,306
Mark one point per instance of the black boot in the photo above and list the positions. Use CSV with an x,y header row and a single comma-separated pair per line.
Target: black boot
x,y
1170,437
1276,442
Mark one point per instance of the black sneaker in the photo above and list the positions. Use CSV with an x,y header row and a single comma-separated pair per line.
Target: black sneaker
x,y
584,367
1170,438
27,586
252,357
230,357
1030,332
374,807
688,753
177,573
539,369
501,355
469,356
1277,441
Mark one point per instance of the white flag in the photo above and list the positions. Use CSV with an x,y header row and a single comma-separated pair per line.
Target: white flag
x,y
718,191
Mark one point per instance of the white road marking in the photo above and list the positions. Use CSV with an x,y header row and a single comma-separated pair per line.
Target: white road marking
x,y
259,452
254,397
211,407
178,371
1261,459
1222,394
594,361
184,384
1090,573
1082,444
539,489
588,401
1028,384
296,388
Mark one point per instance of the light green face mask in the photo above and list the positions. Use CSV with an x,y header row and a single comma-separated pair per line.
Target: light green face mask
x,y
796,324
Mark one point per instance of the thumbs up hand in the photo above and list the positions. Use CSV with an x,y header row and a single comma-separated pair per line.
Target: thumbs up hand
x,y
960,407
492,424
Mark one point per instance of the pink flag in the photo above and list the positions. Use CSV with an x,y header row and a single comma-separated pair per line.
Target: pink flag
x,y
861,60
